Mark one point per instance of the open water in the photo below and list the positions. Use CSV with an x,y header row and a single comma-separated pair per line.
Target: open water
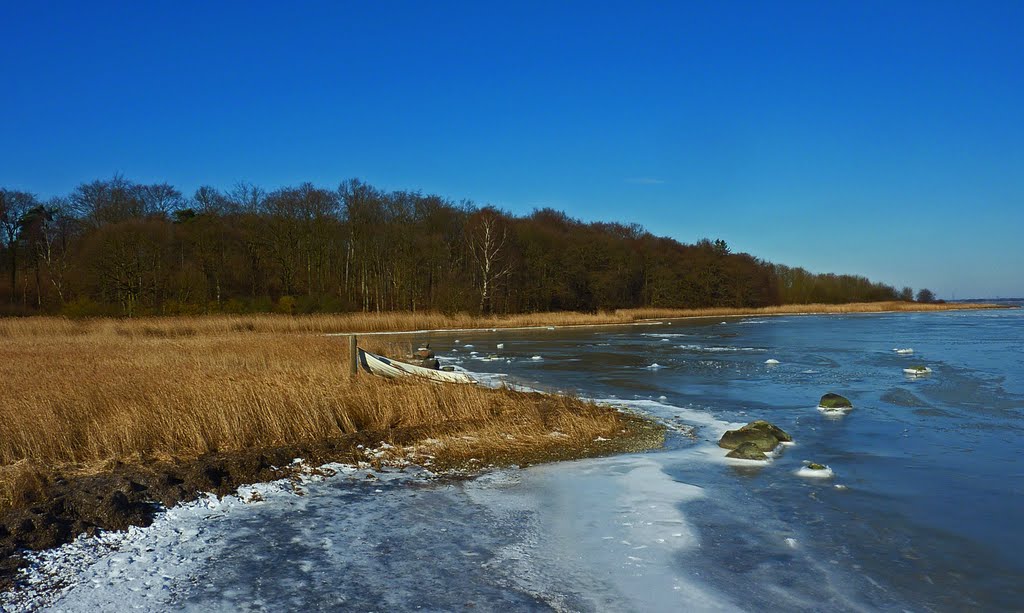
x,y
930,509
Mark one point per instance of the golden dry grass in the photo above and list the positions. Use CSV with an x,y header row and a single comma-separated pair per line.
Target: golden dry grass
x,y
400,321
84,394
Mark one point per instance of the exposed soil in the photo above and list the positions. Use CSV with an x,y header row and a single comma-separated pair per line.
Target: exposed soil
x,y
124,495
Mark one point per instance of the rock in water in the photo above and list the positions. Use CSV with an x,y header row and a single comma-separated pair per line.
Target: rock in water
x,y
431,363
764,435
747,451
834,401
816,471
776,431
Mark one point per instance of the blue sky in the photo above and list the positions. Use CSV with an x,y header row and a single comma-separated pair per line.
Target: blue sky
x,y
869,137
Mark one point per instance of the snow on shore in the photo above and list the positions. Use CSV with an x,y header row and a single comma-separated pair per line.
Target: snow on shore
x,y
145,568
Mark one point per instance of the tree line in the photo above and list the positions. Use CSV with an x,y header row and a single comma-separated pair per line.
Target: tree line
x,y
116,247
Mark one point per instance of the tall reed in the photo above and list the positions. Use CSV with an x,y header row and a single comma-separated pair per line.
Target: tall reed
x,y
99,394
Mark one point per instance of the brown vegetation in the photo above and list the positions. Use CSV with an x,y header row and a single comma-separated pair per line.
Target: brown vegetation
x,y
403,321
84,394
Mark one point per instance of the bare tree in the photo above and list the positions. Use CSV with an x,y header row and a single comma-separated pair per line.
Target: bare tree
x,y
58,228
159,198
246,197
487,234
14,207
111,201
209,200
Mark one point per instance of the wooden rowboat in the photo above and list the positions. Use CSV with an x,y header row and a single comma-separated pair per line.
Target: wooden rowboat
x,y
386,367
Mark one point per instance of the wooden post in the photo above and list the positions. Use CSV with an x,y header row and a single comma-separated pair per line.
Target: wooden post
x,y
353,356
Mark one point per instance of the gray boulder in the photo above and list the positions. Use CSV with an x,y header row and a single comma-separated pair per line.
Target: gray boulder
x,y
766,436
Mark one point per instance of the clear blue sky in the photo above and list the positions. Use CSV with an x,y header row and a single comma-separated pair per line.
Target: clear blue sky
x,y
873,137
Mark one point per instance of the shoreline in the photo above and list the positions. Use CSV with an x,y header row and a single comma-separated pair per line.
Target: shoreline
x,y
421,322
758,312
125,494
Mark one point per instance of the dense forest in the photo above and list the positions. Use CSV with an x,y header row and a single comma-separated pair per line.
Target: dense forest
x,y
115,247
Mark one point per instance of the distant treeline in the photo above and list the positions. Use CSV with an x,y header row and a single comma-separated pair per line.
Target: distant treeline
x,y
115,247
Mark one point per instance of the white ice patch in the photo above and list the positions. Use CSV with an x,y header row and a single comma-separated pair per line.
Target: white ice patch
x,y
771,362
140,567
834,412
719,349
537,357
815,473
711,426
904,351
615,518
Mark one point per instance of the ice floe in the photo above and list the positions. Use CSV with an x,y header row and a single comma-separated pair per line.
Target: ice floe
x,y
833,411
917,371
815,471
718,348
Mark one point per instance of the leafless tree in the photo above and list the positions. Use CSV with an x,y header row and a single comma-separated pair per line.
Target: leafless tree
x,y
159,198
58,230
487,234
247,198
14,207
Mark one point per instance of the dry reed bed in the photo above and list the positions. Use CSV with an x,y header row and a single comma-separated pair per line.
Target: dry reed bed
x,y
78,401
399,321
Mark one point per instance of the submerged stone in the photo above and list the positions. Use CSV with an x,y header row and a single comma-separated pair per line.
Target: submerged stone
x,y
834,401
747,451
903,398
766,436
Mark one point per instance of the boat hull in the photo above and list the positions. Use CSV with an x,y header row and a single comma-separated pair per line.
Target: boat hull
x,y
386,367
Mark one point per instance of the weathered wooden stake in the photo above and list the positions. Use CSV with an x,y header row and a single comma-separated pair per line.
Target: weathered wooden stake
x,y
353,356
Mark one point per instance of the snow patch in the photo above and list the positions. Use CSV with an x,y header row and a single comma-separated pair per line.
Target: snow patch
x,y
815,473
